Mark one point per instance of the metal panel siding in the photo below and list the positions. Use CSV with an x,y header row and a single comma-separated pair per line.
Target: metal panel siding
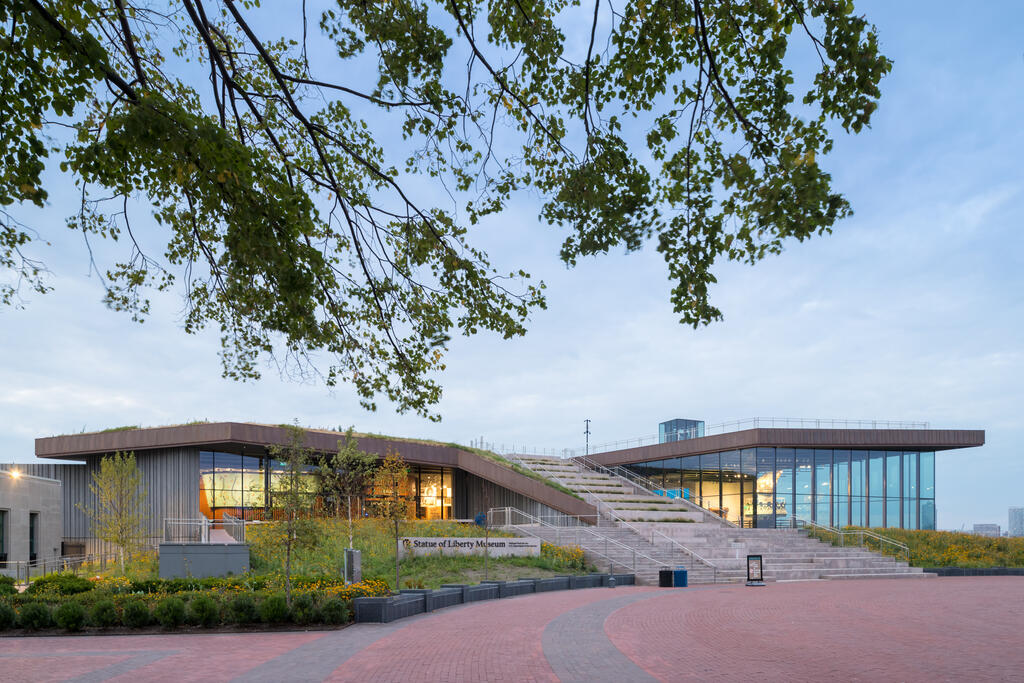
x,y
472,490
170,475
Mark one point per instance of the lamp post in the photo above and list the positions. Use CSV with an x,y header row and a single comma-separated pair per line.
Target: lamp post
x,y
586,433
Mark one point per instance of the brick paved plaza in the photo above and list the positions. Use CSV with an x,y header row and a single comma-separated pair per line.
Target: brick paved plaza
x,y
900,630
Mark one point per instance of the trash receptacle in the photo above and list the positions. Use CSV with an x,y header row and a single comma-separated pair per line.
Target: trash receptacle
x,y
664,578
679,577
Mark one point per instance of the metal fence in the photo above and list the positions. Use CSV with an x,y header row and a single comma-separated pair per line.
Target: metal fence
x,y
82,565
708,430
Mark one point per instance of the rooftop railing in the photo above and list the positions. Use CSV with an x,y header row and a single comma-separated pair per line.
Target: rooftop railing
x,y
711,430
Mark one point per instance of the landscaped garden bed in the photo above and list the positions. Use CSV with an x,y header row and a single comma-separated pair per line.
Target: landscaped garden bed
x,y
140,602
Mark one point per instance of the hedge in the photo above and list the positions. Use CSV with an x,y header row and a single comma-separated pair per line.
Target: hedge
x,y
203,608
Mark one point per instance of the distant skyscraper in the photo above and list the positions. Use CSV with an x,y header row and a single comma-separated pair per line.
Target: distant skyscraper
x,y
1016,526
987,529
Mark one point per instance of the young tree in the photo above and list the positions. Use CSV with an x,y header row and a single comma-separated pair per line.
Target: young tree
x,y
345,476
284,185
291,498
392,499
118,514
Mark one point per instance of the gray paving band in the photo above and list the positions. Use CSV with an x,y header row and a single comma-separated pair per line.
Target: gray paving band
x,y
318,659
578,649
133,662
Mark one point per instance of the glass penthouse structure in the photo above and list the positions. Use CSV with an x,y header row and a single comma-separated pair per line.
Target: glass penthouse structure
x,y
767,477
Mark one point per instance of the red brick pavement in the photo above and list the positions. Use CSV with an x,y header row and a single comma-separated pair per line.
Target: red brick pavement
x,y
487,641
963,629
939,629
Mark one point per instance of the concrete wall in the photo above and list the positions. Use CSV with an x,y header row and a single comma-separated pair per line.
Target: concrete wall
x,y
202,560
19,498
171,478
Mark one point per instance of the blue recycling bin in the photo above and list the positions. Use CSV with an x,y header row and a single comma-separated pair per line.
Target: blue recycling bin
x,y
679,578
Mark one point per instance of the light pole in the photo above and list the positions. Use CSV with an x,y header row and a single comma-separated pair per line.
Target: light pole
x,y
586,433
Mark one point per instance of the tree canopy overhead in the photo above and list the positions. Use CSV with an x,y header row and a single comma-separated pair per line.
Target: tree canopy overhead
x,y
296,228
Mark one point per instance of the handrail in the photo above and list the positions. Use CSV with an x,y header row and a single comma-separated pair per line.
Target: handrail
x,y
841,534
610,513
74,563
647,485
539,522
234,527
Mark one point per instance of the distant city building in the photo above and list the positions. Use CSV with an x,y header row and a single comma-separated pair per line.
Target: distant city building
x,y
987,530
1016,525
680,429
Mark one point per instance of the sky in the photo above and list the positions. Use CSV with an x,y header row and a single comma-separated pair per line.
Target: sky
x,y
912,310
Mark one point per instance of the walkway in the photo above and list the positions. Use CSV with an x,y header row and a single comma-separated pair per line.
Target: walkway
x,y
945,629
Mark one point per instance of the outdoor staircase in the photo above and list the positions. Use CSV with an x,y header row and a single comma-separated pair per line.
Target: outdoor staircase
x,y
642,532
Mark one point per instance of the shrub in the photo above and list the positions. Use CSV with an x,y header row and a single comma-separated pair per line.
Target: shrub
x,y
303,609
135,614
243,609
7,585
204,611
274,609
170,612
103,614
8,617
70,616
334,611
61,584
34,615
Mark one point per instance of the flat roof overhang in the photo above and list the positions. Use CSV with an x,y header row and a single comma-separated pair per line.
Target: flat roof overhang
x,y
853,439
240,437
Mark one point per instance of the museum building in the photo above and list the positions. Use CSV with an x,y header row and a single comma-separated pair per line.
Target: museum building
x,y
213,469
769,476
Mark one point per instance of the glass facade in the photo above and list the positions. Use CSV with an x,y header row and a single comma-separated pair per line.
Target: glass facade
x,y
244,486
679,429
769,487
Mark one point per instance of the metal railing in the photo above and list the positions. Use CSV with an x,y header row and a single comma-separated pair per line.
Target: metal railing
x,y
186,530
650,487
24,570
509,517
609,513
720,428
861,538
234,527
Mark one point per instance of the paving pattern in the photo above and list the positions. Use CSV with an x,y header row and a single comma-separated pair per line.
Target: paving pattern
x,y
874,630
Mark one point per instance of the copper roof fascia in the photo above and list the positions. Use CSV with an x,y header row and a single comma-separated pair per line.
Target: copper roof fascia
x,y
867,439
241,434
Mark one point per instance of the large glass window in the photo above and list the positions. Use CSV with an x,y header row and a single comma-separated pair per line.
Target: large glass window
x,y
783,486
910,491
748,467
858,487
691,478
673,478
732,478
765,501
841,489
804,483
893,471
928,514
876,489
3,537
823,486
927,466
711,482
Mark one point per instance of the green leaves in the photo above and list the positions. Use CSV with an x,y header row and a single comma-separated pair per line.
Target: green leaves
x,y
284,192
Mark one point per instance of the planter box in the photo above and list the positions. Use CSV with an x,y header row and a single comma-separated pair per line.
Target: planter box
x,y
443,597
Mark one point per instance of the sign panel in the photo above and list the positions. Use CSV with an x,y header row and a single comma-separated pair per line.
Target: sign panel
x,y
754,569
449,545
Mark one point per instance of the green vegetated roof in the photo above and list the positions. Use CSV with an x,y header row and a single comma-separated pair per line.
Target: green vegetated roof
x,y
487,455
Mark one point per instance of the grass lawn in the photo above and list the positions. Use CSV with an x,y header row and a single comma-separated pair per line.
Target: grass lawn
x,y
374,538
953,549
